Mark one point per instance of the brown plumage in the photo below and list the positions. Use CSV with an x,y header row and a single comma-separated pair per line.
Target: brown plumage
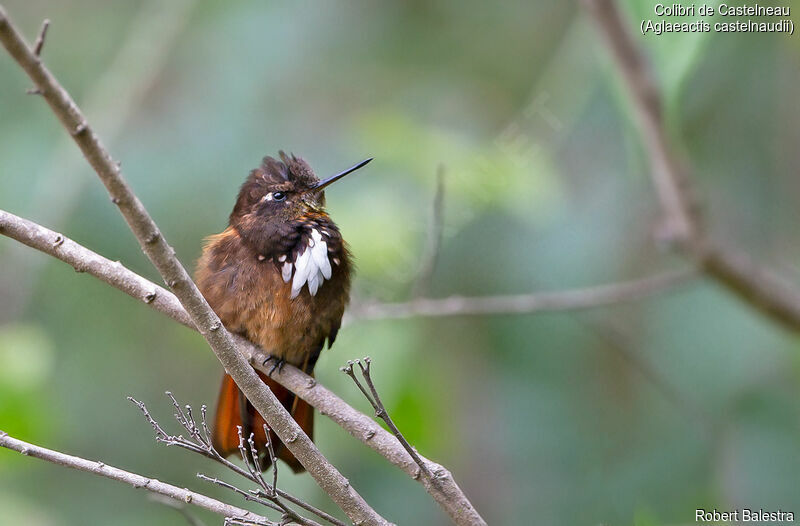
x,y
280,276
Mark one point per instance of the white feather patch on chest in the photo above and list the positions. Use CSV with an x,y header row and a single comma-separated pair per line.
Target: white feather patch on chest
x,y
312,266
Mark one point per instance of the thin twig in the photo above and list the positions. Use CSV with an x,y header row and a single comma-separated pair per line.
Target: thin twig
x,y
227,485
238,521
669,176
163,258
37,45
258,468
683,227
84,260
273,459
253,464
430,256
380,410
200,442
563,300
132,479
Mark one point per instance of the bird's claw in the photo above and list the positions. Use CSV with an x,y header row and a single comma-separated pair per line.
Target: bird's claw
x,y
279,363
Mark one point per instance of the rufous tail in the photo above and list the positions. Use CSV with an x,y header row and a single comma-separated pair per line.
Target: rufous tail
x,y
234,410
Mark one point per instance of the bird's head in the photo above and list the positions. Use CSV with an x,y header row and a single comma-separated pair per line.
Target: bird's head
x,y
284,189
278,198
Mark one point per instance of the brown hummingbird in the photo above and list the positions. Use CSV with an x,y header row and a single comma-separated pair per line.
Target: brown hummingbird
x,y
279,275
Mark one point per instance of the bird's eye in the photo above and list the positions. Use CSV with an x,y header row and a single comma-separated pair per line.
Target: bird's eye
x,y
278,196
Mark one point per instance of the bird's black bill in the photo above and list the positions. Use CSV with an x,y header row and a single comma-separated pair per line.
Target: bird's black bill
x,y
322,184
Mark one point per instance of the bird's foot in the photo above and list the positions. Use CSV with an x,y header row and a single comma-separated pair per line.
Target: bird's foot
x,y
278,364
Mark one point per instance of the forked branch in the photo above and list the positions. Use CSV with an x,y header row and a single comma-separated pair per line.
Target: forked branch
x,y
380,410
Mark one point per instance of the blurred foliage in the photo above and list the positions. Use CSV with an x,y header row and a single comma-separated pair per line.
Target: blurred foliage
x,y
543,419
26,356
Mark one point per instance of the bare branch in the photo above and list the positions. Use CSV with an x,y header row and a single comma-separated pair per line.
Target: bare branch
x,y
84,260
683,228
668,175
132,479
380,410
434,244
163,258
565,300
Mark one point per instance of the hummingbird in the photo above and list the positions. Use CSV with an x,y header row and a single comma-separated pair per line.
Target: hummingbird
x,y
279,275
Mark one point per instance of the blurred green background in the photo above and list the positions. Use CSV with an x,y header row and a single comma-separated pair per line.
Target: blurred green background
x,y
632,414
